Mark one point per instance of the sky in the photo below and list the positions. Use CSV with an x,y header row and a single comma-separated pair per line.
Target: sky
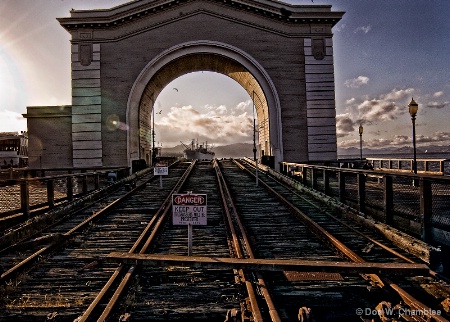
x,y
386,52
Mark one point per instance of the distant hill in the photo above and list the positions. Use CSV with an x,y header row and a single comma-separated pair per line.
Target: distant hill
x,y
239,150
236,150
437,151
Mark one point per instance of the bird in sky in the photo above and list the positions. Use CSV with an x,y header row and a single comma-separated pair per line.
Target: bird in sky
x,y
175,89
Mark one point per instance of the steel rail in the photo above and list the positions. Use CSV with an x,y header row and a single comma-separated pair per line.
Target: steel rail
x,y
30,259
161,215
237,247
275,317
386,248
374,241
86,315
343,249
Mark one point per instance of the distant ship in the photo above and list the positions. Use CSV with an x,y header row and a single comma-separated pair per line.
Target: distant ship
x,y
198,152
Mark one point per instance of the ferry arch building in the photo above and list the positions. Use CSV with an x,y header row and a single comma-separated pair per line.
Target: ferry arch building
x,y
122,58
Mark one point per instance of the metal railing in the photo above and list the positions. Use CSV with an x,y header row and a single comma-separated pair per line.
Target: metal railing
x,y
20,196
425,166
417,204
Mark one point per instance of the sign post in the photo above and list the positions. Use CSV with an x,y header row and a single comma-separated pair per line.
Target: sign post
x,y
189,239
189,209
161,169
256,172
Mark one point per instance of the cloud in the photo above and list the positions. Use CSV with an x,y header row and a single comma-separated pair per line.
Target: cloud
x,y
441,137
386,107
378,110
340,27
344,125
397,94
364,29
437,138
12,121
218,125
244,105
438,94
438,105
356,82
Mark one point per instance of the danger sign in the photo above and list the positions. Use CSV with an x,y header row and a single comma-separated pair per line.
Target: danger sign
x,y
189,209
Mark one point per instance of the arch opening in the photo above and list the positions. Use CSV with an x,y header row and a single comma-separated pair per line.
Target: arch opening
x,y
205,106
195,57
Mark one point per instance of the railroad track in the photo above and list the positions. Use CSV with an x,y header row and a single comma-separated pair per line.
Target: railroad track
x,y
267,253
65,269
349,241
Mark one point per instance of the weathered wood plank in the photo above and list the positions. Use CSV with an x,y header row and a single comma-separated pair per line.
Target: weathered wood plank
x,y
266,264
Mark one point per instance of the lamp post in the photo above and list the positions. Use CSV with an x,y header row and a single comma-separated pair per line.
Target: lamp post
x,y
361,129
413,107
153,136
254,127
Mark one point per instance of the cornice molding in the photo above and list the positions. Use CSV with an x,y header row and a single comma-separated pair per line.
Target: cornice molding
x,y
272,10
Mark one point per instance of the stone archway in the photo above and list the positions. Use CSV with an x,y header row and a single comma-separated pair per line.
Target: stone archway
x,y
121,58
207,56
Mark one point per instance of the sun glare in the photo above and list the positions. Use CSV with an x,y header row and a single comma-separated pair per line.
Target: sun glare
x,y
11,102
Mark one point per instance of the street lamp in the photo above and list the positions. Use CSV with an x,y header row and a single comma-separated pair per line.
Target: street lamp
x,y
413,107
154,147
153,135
360,140
254,127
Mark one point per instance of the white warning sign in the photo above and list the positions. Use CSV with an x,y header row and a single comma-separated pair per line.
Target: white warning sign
x,y
161,169
189,209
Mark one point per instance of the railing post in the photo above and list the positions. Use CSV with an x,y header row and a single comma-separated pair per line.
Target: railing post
x,y
85,187
361,192
69,188
25,198
388,200
313,179
426,209
341,178
304,175
326,182
51,193
96,180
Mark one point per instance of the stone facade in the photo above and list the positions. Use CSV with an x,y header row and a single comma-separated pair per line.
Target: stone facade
x,y
49,136
123,57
